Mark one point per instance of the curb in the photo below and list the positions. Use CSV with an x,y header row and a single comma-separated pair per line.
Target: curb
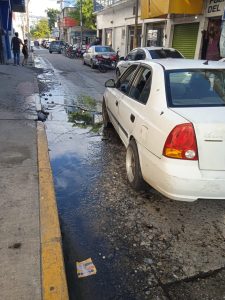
x,y
54,285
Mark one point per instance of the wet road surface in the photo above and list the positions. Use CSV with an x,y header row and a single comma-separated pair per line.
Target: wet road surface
x,y
143,245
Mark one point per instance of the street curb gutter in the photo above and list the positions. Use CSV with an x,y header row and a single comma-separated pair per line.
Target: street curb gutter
x,y
54,285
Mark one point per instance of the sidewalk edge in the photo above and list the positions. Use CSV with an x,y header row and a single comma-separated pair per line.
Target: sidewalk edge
x,y
54,285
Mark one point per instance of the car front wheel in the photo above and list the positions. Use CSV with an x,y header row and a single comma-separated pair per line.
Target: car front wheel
x,y
133,166
92,64
105,116
117,73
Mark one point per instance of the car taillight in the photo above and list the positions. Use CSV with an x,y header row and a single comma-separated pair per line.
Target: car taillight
x,y
113,57
181,143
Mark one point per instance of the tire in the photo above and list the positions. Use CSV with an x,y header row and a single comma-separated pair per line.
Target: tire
x,y
105,116
117,73
84,63
59,52
50,52
92,65
133,166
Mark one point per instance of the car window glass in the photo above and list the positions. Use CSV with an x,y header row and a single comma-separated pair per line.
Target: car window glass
x,y
123,84
140,88
131,55
165,53
140,55
103,49
196,88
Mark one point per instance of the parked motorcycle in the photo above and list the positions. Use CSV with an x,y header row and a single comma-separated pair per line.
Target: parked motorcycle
x,y
106,62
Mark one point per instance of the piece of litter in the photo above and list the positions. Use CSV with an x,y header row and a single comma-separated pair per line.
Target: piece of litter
x,y
85,268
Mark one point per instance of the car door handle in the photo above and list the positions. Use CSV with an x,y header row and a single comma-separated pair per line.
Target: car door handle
x,y
132,118
117,103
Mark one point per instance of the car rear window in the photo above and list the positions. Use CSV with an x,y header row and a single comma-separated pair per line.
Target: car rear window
x,y
104,49
165,53
55,43
195,88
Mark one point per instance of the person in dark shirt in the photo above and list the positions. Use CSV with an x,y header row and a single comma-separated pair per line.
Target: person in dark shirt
x,y
15,46
25,53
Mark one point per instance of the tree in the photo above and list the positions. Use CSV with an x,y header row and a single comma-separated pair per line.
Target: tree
x,y
52,17
41,30
88,18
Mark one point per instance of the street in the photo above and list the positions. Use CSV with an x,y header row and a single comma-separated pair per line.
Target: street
x,y
143,245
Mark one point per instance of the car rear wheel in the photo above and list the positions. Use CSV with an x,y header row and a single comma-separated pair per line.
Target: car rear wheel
x,y
50,52
133,166
105,116
84,63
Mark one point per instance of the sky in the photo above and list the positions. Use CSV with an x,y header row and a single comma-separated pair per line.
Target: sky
x,y
38,7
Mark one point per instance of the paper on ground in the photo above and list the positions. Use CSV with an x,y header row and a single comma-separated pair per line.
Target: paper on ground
x,y
85,268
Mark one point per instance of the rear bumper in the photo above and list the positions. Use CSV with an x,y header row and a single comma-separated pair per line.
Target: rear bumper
x,y
181,180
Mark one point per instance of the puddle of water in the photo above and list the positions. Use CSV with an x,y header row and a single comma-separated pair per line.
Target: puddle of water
x,y
75,154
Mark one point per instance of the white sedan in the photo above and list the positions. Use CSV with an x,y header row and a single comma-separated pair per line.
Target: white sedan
x,y
143,53
170,115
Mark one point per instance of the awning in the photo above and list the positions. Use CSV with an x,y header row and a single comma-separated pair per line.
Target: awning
x,y
160,8
18,6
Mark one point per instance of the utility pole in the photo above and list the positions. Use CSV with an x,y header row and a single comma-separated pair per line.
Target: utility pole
x,y
135,42
81,24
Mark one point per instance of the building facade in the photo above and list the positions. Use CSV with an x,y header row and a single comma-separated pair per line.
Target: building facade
x,y
7,7
195,27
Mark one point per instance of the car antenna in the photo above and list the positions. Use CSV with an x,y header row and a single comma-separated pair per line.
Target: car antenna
x,y
206,62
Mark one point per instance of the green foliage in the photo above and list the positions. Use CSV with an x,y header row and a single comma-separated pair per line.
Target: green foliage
x,y
41,30
88,18
86,102
81,118
52,17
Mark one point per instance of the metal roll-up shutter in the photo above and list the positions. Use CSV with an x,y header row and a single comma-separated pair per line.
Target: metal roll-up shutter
x,y
185,38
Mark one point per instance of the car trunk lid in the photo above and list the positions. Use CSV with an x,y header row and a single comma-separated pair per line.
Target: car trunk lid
x,y
209,125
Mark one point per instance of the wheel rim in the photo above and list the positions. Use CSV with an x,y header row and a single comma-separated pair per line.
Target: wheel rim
x,y
130,164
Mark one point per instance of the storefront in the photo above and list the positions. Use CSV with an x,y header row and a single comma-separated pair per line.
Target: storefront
x,y
154,34
213,47
131,37
108,37
185,38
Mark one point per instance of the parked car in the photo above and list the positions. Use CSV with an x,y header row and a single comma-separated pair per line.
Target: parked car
x,y
56,46
92,55
169,113
145,53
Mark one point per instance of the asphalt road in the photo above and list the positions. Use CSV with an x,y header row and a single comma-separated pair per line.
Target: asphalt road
x,y
143,245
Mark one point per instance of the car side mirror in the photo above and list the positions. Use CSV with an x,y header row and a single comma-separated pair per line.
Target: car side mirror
x,y
110,83
122,58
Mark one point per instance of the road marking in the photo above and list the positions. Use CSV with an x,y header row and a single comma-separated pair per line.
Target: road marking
x,y
54,285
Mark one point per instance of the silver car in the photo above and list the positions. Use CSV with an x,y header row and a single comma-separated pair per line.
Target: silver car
x,y
92,55
143,53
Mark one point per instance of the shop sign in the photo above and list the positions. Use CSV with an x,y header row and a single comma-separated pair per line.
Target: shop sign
x,y
215,8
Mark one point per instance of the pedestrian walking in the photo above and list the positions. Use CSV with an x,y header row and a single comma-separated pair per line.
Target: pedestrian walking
x,y
25,53
15,46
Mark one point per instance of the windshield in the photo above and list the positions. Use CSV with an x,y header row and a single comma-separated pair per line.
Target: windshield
x,y
165,53
104,49
195,88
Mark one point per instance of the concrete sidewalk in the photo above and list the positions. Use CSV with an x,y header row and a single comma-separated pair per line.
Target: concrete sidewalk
x,y
31,262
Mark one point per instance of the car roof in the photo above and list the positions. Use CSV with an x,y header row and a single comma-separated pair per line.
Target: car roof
x,y
182,63
155,48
